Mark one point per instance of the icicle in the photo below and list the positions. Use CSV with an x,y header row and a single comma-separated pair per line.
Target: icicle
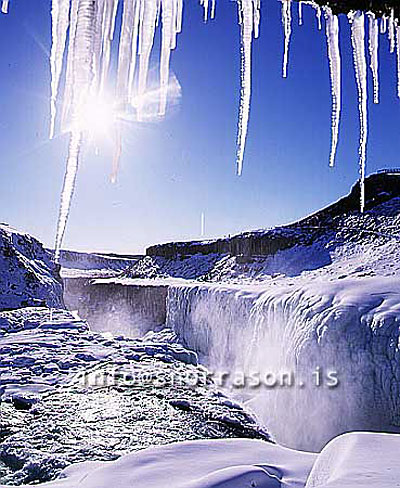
x,y
82,66
391,31
360,66
247,12
134,50
69,78
398,59
300,13
108,36
168,35
213,9
60,23
125,51
287,26
148,16
204,3
373,43
383,24
68,189
98,42
319,17
256,16
4,6
332,35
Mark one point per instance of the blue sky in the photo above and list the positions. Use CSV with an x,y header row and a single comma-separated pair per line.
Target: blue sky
x,y
173,171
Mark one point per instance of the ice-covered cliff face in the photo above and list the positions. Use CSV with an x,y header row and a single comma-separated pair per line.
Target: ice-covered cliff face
x,y
327,353
28,277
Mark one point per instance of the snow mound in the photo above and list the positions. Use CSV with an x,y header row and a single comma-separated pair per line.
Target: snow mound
x,y
28,277
361,459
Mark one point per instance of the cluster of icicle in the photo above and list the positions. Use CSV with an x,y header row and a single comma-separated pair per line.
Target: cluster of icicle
x,y
389,25
89,26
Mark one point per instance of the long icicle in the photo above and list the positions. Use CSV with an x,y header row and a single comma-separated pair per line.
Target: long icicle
x,y
168,35
246,21
60,23
398,59
82,66
148,19
373,44
360,67
332,36
300,13
287,27
391,32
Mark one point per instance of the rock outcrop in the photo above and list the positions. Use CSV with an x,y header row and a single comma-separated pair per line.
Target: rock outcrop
x,y
28,276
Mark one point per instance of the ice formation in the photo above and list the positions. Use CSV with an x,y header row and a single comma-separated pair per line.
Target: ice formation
x,y
360,66
287,28
300,13
249,20
92,28
373,44
332,35
4,6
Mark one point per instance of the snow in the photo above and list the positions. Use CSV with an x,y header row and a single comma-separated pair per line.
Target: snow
x,y
332,35
360,66
362,459
357,459
229,463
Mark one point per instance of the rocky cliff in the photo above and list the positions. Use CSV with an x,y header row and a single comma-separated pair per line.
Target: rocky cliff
x,y
28,277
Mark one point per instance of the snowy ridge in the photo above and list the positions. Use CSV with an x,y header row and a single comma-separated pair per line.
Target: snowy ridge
x,y
28,277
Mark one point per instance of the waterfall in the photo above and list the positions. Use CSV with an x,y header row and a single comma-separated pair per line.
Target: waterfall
x,y
329,346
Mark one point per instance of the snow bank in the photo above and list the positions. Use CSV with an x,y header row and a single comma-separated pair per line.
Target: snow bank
x,y
227,463
28,277
362,459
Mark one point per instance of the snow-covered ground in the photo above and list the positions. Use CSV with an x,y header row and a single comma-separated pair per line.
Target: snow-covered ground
x,y
356,460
